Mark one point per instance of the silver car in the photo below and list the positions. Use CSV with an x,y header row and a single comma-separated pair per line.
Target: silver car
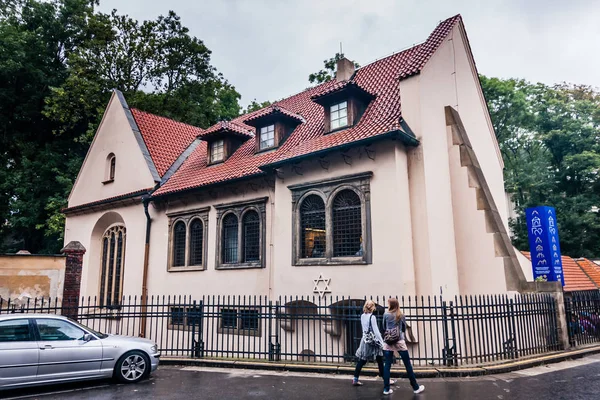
x,y
38,349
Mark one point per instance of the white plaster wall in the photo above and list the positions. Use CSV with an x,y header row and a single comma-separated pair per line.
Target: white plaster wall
x,y
253,281
131,170
471,106
449,79
392,269
423,101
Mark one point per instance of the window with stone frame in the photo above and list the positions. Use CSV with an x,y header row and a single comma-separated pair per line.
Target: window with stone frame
x,y
241,234
188,234
112,264
332,221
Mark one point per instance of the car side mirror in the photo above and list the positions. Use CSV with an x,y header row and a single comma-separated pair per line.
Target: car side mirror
x,y
87,337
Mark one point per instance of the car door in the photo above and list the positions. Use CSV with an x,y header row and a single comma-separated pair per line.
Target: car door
x,y
18,352
64,353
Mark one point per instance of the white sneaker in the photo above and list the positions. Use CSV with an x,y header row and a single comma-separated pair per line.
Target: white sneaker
x,y
389,391
420,389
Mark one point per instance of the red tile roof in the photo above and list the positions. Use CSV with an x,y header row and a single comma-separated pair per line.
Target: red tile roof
x,y
338,86
225,126
166,139
382,116
273,109
575,278
590,270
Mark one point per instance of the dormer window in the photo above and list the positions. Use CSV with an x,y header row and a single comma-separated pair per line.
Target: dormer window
x,y
223,139
339,115
217,151
274,124
267,137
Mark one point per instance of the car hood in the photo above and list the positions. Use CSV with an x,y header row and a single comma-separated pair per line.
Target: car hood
x,y
119,339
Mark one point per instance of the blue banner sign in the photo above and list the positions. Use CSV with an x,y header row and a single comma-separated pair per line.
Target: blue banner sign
x,y
544,244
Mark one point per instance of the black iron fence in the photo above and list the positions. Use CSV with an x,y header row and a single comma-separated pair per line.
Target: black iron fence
x,y
470,330
583,317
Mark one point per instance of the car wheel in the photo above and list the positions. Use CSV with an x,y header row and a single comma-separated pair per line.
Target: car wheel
x,y
132,367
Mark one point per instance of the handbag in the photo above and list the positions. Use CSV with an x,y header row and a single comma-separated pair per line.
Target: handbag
x,y
392,336
370,337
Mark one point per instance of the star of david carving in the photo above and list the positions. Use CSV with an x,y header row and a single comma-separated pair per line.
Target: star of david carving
x,y
321,288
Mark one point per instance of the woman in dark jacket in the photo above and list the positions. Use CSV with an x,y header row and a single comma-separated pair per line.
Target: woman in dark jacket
x,y
395,322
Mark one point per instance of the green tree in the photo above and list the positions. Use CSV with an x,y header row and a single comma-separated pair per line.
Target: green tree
x,y
327,74
548,136
255,106
60,61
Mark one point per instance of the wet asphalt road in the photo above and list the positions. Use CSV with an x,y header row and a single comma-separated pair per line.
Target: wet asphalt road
x,y
572,380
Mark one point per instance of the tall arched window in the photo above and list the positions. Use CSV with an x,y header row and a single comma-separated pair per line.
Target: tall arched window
x,y
347,224
113,259
251,236
230,239
196,241
179,233
312,225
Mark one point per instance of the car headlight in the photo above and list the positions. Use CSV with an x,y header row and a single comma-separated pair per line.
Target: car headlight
x,y
154,349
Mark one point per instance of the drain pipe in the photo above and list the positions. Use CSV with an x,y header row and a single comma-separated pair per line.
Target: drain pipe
x,y
145,202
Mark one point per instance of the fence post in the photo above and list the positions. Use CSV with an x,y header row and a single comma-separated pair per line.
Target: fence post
x,y
74,252
561,320
274,347
555,290
449,352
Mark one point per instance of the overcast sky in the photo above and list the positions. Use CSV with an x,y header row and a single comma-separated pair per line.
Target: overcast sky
x,y
267,49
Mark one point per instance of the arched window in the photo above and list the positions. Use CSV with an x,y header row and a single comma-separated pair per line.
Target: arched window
x,y
312,225
111,164
196,241
113,259
251,236
179,233
347,224
230,239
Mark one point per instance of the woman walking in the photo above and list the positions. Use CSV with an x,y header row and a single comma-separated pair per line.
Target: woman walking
x,y
370,344
394,324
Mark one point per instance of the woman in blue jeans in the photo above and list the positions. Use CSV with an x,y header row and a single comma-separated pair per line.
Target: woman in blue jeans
x,y
394,318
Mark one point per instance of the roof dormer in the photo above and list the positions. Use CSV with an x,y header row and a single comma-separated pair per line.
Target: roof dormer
x,y
223,139
345,101
273,124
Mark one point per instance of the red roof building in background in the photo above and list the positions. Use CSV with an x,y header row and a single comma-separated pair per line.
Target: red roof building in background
x,y
576,276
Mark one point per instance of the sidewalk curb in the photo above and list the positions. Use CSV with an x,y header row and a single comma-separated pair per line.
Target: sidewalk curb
x,y
441,372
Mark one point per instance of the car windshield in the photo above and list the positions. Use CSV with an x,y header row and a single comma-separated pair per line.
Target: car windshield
x,y
99,334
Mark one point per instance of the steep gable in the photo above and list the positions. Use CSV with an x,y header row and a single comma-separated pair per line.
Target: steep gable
x,y
133,169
